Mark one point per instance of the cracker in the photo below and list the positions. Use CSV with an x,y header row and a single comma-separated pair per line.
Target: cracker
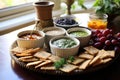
x,y
98,62
107,60
111,53
43,63
54,58
22,55
42,55
68,68
28,52
77,61
84,65
28,60
106,54
18,50
95,59
92,50
33,63
85,56
25,57
48,68
31,51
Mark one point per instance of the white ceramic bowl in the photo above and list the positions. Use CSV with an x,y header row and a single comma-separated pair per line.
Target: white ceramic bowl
x,y
67,20
83,40
30,43
64,52
51,32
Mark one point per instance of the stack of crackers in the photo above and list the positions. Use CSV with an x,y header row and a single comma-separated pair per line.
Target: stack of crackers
x,y
43,60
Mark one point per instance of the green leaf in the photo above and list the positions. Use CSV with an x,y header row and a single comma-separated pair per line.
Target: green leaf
x,y
63,61
107,6
57,65
107,3
60,63
98,3
84,7
73,6
81,3
71,58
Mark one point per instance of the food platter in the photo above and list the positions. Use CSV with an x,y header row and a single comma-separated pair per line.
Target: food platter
x,y
58,72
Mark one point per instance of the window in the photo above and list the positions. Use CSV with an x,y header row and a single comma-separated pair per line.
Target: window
x,y
15,17
8,7
13,14
9,3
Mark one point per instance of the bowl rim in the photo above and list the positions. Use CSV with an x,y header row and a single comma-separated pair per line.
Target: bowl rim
x,y
59,37
43,3
54,28
79,29
28,31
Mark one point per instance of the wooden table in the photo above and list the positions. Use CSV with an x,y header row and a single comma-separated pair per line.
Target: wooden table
x,y
9,70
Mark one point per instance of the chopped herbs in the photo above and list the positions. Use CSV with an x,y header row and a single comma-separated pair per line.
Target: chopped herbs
x,y
62,61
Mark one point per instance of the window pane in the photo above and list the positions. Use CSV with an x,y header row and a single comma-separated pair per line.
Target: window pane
x,y
9,3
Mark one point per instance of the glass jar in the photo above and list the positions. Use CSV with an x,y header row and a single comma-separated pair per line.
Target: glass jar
x,y
97,21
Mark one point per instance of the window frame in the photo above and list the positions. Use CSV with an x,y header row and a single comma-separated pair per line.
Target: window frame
x,y
15,9
23,10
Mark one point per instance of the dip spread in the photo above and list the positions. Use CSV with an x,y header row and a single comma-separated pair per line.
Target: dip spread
x,y
78,34
54,32
32,36
64,43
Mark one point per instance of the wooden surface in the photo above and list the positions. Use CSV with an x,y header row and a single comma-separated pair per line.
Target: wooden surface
x,y
9,70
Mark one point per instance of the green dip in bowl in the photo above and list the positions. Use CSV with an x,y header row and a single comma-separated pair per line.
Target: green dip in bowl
x,y
78,34
64,43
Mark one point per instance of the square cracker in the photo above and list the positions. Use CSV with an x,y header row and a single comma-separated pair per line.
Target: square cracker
x,y
43,63
107,60
25,57
22,55
31,51
85,55
92,50
68,68
106,54
78,61
33,63
98,62
42,55
95,59
84,65
54,58
28,59
111,53
18,50
48,68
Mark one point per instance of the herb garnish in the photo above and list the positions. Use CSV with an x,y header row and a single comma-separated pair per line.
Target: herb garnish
x,y
62,61
71,58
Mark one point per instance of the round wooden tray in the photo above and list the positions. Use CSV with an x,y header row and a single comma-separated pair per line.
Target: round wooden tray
x,y
58,72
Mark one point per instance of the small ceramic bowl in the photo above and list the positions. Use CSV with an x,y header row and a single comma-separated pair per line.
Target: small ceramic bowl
x,y
51,32
64,52
25,40
83,39
66,22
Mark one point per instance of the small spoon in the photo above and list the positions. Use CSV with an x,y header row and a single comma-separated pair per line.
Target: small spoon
x,y
36,24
